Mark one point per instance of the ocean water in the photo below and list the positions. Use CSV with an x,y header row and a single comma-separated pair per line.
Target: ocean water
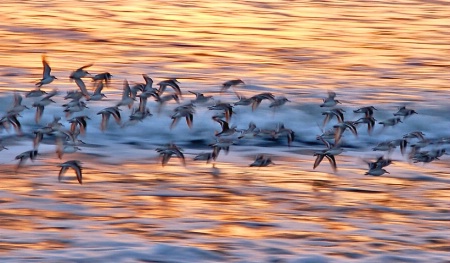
x,y
130,208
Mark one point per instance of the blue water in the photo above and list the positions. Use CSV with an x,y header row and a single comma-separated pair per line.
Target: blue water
x,y
130,208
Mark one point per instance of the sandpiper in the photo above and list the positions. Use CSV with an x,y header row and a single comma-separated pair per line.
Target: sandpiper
x,y
330,101
261,161
230,83
200,98
17,106
208,157
79,121
106,113
127,96
98,95
32,154
185,111
168,151
403,111
278,102
321,155
368,110
226,130
106,77
46,77
370,123
75,165
338,112
81,72
258,98
171,83
377,171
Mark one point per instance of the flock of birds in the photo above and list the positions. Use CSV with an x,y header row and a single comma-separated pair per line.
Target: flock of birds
x,y
66,140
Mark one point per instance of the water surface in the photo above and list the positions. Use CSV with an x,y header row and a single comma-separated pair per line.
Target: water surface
x,y
131,209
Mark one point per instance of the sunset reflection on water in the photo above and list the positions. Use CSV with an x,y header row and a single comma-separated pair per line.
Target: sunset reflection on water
x,y
131,208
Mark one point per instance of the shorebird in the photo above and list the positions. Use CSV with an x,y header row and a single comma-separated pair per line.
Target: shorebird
x,y
225,107
200,98
127,96
415,135
278,102
17,106
258,98
169,83
341,127
75,165
185,111
45,101
370,123
377,171
390,122
32,154
230,83
11,119
368,111
226,130
46,77
330,101
403,111
261,161
97,95
106,77
82,87
380,162
79,121
208,157
81,72
338,112
168,151
106,113
321,155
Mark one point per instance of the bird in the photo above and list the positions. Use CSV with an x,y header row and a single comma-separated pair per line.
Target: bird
x,y
261,161
377,171
17,106
97,95
225,107
168,151
106,77
230,83
81,72
258,98
75,165
46,77
127,96
368,111
200,97
106,113
405,112
341,127
321,155
330,101
226,130
208,157
169,83
79,121
278,102
370,123
40,105
185,111
32,154
338,112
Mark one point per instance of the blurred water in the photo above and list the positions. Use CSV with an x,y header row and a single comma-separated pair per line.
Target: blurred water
x,y
130,208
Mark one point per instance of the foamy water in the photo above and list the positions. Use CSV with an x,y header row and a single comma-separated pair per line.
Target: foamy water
x,y
131,209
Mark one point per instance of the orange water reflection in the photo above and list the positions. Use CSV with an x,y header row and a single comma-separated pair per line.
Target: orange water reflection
x,y
394,52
